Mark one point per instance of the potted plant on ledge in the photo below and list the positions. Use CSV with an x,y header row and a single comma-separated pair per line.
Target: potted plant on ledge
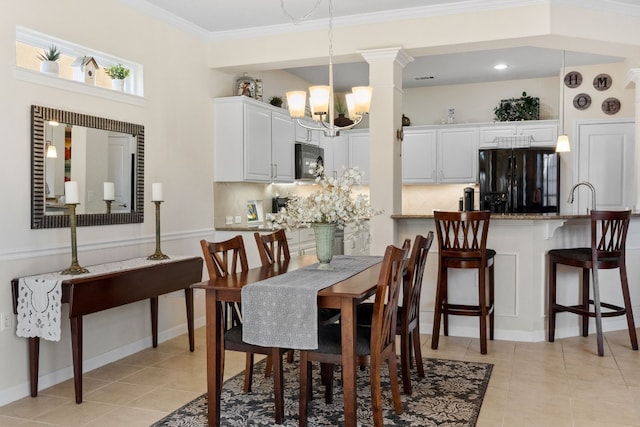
x,y
49,58
117,73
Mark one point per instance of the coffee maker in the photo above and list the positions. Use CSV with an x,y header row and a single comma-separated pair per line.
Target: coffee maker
x,y
468,198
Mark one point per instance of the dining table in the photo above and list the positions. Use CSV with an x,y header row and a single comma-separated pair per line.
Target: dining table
x,y
344,294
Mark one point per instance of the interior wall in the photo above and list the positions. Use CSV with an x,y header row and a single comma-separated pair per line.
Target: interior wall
x,y
474,103
178,152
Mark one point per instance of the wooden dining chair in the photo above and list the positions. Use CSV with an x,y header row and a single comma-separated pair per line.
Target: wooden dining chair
x,y
408,317
229,257
374,344
272,247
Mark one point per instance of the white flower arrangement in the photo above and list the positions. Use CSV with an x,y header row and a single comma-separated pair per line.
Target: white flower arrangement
x,y
334,203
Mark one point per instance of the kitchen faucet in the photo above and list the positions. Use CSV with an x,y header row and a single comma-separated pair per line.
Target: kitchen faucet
x,y
593,193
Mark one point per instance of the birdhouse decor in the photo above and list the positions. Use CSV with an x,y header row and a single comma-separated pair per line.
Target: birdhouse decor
x,y
84,69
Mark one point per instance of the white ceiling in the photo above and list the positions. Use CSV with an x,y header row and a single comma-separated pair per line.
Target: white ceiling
x,y
215,17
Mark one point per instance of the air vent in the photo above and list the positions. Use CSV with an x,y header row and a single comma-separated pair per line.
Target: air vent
x,y
425,78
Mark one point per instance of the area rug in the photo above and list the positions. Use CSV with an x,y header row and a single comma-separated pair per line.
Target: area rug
x,y
450,394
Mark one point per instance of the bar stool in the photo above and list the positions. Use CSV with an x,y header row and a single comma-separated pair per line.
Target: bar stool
x,y
607,251
462,243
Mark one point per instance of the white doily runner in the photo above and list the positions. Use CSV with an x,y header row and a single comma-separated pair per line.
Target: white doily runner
x,y
40,296
282,311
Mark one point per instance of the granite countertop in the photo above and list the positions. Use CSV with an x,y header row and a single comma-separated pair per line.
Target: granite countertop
x,y
515,216
499,216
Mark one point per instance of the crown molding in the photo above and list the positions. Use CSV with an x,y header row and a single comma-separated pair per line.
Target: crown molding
x,y
445,8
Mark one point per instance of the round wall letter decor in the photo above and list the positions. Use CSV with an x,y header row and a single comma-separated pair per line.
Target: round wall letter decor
x,y
611,106
573,79
602,81
582,101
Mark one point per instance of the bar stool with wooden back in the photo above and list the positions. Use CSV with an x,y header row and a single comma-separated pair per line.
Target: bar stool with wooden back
x,y
607,251
462,243
229,257
408,318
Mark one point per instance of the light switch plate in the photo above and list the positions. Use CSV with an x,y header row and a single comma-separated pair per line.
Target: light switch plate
x,y
238,219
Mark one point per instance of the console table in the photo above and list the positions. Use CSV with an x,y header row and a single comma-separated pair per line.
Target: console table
x,y
116,285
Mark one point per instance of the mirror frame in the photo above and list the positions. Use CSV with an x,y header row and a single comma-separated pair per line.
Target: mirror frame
x,y
40,115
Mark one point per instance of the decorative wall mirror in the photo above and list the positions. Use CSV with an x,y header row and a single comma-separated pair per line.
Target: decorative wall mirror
x,y
92,151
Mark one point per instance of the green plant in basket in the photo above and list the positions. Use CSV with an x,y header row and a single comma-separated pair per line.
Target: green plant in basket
x,y
117,72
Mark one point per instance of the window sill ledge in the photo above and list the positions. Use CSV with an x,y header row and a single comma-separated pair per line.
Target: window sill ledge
x,y
74,86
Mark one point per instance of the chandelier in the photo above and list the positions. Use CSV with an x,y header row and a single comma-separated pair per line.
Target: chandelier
x,y
321,98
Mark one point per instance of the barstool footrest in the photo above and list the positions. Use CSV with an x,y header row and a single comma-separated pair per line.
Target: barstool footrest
x,y
578,309
464,309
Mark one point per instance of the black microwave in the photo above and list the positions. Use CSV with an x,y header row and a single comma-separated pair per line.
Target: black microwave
x,y
307,156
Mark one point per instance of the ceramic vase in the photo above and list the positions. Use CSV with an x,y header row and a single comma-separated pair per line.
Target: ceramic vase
x,y
50,67
325,236
117,84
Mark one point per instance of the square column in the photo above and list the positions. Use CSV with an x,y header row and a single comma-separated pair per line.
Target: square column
x,y
385,120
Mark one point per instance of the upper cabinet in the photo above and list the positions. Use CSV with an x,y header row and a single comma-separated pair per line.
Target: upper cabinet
x,y
439,155
419,156
336,154
307,136
359,152
253,141
534,133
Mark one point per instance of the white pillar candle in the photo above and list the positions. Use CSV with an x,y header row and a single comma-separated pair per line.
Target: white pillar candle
x,y
71,192
109,191
156,192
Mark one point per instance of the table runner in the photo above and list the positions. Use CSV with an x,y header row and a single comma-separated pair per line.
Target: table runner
x,y
282,311
40,296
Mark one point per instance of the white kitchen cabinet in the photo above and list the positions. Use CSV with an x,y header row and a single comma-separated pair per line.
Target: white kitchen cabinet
x,y
307,136
439,155
419,156
543,133
457,155
605,158
359,152
253,141
336,154
282,147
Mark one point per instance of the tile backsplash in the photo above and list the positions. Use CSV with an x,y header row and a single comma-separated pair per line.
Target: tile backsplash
x,y
230,199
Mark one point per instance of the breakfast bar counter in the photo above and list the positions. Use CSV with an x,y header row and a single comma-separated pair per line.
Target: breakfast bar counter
x,y
522,242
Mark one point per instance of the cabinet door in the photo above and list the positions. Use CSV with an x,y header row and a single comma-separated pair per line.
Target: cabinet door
x,y
544,135
489,134
419,157
605,154
305,135
457,155
282,150
257,147
336,156
359,153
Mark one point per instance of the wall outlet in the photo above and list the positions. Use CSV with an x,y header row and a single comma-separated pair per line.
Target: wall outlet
x,y
238,219
5,321
229,220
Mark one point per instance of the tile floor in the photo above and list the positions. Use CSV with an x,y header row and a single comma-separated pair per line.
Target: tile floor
x,y
533,384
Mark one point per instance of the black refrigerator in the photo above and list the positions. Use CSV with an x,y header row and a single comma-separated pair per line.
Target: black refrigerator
x,y
519,180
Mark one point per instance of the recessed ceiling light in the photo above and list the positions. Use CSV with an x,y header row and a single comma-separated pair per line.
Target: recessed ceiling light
x,y
500,66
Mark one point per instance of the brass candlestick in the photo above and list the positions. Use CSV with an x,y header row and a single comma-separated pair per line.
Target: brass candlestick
x,y
158,253
108,202
74,268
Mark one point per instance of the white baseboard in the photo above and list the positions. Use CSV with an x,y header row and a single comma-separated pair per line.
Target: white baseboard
x,y
19,391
